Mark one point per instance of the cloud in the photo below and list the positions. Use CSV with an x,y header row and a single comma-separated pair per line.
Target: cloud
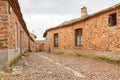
x,y
62,6
39,23
48,6
43,14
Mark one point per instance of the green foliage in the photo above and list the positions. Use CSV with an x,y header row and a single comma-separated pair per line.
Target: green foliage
x,y
92,56
110,60
103,58
66,53
59,52
14,61
72,54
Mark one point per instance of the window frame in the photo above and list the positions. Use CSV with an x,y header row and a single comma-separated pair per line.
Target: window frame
x,y
80,35
10,10
112,19
56,42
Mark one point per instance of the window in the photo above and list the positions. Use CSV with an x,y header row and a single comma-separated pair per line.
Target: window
x,y
112,19
9,9
56,40
78,37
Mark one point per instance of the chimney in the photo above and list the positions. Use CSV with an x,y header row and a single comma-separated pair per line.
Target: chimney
x,y
84,12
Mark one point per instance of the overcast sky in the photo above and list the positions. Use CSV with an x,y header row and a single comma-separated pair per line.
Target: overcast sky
x,y
40,15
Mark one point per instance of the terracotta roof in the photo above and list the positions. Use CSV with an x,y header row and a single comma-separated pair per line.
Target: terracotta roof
x,y
73,21
16,9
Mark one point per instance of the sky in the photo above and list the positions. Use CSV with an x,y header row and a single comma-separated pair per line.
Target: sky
x,y
40,15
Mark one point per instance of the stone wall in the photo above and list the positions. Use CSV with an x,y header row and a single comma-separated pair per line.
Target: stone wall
x,y
13,32
32,46
3,25
15,27
100,35
48,42
97,34
25,42
39,47
3,33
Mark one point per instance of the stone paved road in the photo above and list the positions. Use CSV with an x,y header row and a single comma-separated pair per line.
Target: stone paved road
x,y
44,66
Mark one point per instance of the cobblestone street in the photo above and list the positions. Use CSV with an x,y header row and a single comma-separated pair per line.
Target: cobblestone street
x,y
44,66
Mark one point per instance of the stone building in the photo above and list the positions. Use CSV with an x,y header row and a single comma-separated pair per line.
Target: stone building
x,y
32,42
33,36
14,35
39,46
99,31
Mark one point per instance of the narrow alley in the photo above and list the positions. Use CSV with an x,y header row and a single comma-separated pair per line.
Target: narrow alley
x,y
52,40
45,66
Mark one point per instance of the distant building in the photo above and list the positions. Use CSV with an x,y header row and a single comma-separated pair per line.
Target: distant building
x,y
14,35
32,42
99,31
33,36
39,46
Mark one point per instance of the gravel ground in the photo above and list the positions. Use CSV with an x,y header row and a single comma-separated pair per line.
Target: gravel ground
x,y
45,66
34,67
92,69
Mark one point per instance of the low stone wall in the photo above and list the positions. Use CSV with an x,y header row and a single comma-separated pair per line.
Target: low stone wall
x,y
3,58
12,53
6,56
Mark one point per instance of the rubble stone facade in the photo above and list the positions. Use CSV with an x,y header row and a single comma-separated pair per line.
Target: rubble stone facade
x,y
39,46
14,35
100,32
32,42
